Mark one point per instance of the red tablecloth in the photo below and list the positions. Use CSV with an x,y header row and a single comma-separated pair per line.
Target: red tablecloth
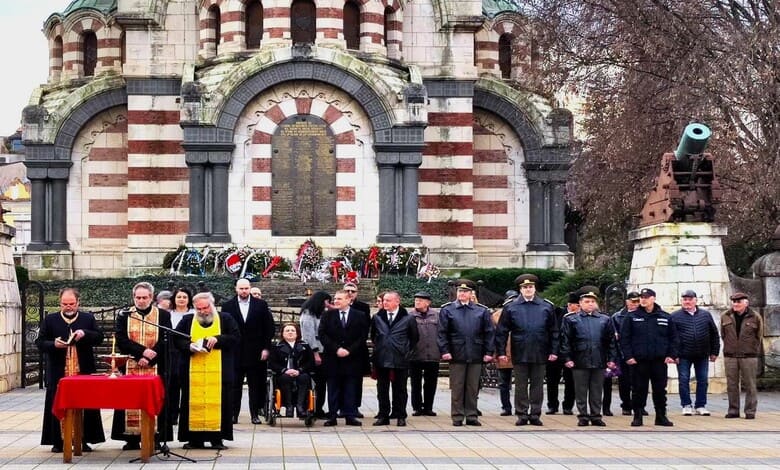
x,y
97,392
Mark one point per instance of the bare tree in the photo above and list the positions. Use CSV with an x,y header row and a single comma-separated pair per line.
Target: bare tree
x,y
646,69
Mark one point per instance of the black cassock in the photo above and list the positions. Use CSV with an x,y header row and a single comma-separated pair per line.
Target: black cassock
x,y
227,341
54,326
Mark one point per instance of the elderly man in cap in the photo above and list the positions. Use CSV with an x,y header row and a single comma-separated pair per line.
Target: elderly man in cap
x,y
698,344
534,331
424,364
588,345
466,340
742,330
648,340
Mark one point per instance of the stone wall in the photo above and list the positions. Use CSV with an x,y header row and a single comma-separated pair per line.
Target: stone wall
x,y
10,315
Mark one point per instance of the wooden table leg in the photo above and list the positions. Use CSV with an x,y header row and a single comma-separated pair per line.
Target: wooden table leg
x,y
147,436
78,431
67,436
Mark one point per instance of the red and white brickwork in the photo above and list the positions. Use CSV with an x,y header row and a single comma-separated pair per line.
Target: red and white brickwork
x,y
486,45
109,47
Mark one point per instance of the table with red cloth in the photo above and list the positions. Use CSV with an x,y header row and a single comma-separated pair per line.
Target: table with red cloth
x,y
79,392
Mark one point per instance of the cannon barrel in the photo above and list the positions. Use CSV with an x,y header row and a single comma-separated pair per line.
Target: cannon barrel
x,y
693,141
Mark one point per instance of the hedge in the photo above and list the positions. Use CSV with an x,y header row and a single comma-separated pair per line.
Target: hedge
x,y
502,280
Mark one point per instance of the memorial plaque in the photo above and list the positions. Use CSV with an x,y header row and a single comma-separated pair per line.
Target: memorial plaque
x,y
303,178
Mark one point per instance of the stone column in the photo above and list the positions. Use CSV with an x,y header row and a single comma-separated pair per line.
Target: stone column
x,y
673,257
59,212
219,202
197,214
386,202
38,215
411,232
11,317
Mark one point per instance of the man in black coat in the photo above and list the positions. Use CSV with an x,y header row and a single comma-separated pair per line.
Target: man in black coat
x,y
343,333
698,345
256,325
394,335
555,369
534,330
356,304
467,341
648,340
64,358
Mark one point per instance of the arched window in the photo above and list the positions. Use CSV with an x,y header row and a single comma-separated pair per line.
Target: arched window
x,y
56,54
352,25
214,24
388,24
254,24
122,48
90,48
303,21
505,55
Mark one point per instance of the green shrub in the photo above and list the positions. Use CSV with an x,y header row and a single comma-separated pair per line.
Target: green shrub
x,y
407,286
502,280
22,276
741,255
559,291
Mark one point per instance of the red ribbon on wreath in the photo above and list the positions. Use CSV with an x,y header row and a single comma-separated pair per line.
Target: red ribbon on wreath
x,y
275,261
353,277
372,262
335,265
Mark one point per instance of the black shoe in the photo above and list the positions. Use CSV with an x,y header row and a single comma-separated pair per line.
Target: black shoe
x,y
535,422
429,413
568,412
583,422
218,445
353,422
401,422
506,413
731,415
255,420
637,421
521,421
479,413
627,413
330,422
132,446
750,416
645,413
359,415
551,411
56,449
289,413
457,423
193,445
235,419
607,413
597,422
382,422
473,422
662,420
85,447
417,413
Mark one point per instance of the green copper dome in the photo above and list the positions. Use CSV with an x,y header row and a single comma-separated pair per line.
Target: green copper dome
x,y
491,8
103,6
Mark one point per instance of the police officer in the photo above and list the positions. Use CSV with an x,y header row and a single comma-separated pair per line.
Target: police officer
x,y
624,379
648,341
530,320
466,340
555,369
588,345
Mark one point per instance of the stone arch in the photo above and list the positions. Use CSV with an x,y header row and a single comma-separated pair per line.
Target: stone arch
x,y
518,120
78,117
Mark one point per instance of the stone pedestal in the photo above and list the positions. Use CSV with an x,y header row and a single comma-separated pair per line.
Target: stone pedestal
x,y
49,265
10,315
673,257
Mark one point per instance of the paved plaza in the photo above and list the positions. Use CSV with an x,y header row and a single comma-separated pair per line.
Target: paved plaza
x,y
432,443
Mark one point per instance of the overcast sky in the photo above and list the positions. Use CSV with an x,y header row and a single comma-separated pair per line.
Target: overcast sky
x,y
24,53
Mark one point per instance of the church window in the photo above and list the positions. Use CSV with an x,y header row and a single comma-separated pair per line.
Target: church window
x,y
122,48
254,24
214,25
56,54
352,25
303,19
90,50
505,55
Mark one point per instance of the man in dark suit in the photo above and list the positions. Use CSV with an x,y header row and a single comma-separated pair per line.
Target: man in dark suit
x,y
356,304
343,333
256,325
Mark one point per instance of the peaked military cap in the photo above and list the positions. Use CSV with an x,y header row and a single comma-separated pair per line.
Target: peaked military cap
x,y
633,295
526,279
465,284
588,291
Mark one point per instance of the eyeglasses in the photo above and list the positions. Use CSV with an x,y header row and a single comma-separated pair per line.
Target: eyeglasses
x,y
350,291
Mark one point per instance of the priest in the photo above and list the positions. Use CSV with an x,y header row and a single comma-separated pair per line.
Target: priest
x,y
208,350
67,339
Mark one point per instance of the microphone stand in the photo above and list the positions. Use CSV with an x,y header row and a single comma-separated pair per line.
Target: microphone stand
x,y
164,449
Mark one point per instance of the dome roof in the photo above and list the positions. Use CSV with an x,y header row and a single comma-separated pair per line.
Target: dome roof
x,y
103,6
491,8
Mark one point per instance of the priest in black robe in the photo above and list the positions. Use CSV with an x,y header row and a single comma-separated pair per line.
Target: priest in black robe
x,y
206,374
67,339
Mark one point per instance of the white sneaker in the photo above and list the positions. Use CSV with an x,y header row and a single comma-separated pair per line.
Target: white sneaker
x,y
687,410
702,411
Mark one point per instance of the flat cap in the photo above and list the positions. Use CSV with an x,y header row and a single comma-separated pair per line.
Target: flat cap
x,y
633,295
526,279
688,293
738,296
422,295
646,292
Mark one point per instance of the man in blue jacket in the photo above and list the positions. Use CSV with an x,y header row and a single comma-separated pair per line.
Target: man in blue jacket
x,y
648,340
698,344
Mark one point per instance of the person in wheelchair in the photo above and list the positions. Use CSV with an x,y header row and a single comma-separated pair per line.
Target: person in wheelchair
x,y
292,362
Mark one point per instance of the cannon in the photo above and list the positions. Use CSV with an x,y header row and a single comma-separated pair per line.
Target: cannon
x,y
686,189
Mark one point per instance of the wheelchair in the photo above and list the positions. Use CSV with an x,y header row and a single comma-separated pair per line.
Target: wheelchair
x,y
274,404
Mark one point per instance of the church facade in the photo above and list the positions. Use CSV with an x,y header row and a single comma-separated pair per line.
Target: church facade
x,y
265,123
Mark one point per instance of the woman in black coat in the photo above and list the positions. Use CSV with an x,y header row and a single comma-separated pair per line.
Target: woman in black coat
x,y
292,362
